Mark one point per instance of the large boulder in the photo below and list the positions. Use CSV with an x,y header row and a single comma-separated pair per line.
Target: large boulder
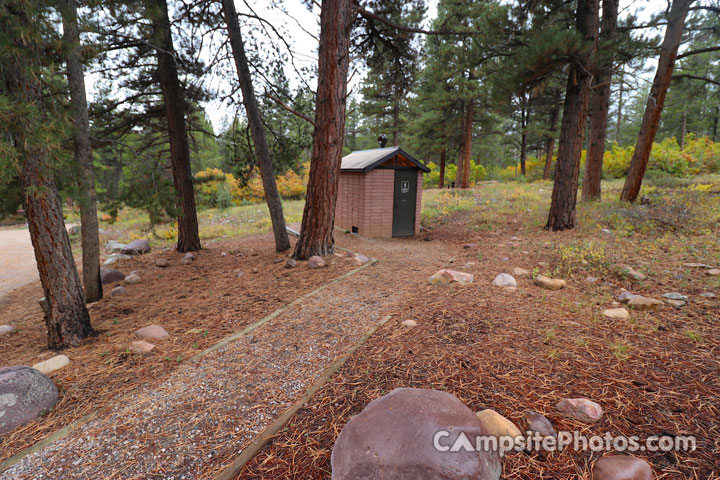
x,y
110,275
408,434
24,394
137,247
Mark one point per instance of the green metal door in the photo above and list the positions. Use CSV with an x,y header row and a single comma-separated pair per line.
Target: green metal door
x,y
404,198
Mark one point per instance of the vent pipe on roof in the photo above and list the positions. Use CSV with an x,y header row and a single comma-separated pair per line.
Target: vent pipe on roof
x,y
382,139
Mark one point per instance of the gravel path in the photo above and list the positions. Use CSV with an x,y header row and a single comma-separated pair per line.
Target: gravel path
x,y
193,423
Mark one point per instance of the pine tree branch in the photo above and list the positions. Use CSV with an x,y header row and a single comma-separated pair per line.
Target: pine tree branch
x,y
696,52
374,16
695,77
290,109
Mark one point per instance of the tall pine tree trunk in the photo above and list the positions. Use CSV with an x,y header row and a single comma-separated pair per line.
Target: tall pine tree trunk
x,y
620,107
523,135
443,159
467,144
66,315
396,124
656,100
600,106
272,197
174,100
564,195
83,154
316,232
550,143
683,130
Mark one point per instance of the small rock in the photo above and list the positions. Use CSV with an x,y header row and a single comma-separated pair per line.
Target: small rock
x,y
137,247
468,246
189,256
255,270
520,272
676,296
361,259
606,231
505,259
638,302
140,346
6,329
162,263
114,246
112,258
629,271
277,260
446,277
625,296
152,332
539,424
504,280
240,274
675,303
110,275
194,331
25,393
291,263
543,264
621,467
496,425
119,290
617,313
469,265
713,272
223,254
51,364
581,409
316,261
708,295
409,323
695,265
591,280
133,279
549,283
186,261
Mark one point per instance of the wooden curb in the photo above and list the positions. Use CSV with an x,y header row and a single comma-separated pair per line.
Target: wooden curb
x,y
65,431
232,471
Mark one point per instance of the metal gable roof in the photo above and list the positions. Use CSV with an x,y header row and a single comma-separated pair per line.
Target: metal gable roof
x,y
366,160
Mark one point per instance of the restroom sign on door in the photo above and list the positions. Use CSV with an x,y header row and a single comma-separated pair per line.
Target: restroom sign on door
x,y
404,186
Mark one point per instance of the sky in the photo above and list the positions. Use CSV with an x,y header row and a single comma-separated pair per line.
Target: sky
x,y
301,29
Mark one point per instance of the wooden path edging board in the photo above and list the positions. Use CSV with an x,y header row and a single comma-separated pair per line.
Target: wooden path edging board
x,y
248,453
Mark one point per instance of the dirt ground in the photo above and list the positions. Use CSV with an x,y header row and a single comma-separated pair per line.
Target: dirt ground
x,y
654,374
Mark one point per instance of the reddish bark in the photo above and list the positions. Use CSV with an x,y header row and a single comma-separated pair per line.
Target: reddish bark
x,y
550,143
316,232
66,315
443,159
272,197
656,99
600,106
467,145
564,196
174,100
